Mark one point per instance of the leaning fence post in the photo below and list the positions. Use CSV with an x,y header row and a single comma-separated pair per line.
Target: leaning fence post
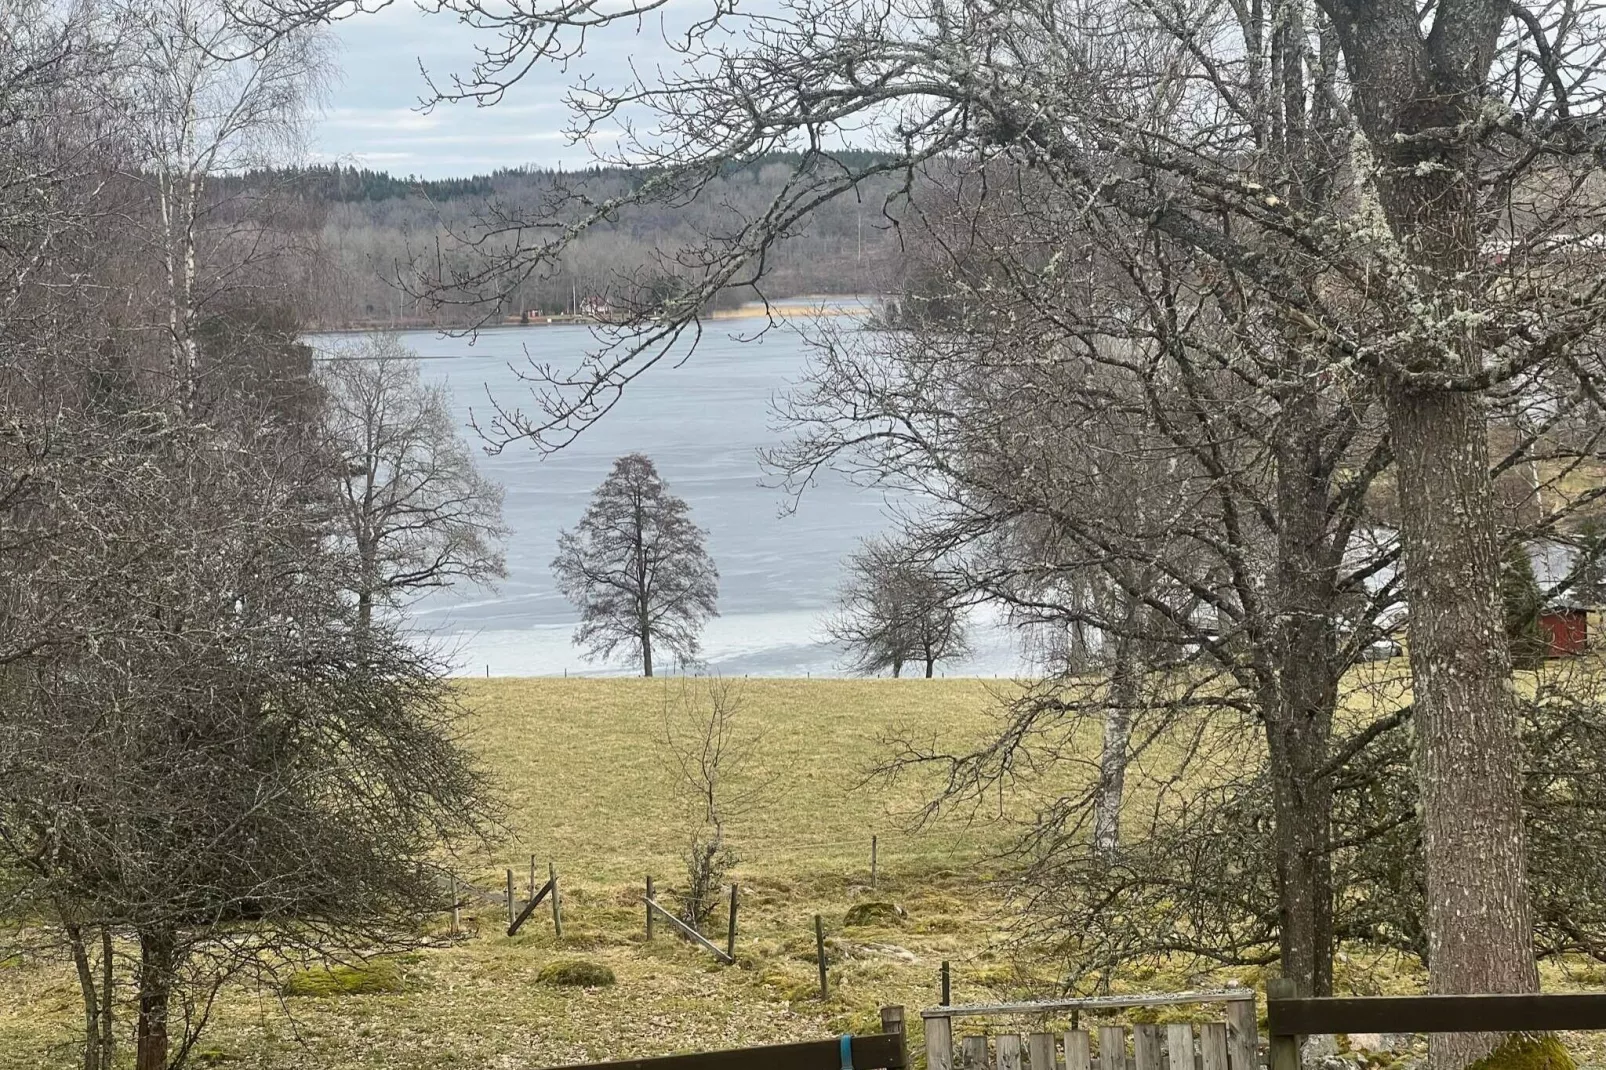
x,y
1283,1051
939,1044
557,907
649,906
511,913
892,1022
730,936
819,953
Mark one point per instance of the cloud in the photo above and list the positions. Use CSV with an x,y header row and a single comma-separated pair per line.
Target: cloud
x,y
376,119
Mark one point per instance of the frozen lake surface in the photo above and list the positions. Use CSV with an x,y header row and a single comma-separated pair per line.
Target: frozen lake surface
x,y
703,423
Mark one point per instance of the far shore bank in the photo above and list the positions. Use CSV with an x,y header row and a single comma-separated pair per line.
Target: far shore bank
x,y
811,307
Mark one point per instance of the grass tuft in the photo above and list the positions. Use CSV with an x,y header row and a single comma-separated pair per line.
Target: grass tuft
x,y
581,973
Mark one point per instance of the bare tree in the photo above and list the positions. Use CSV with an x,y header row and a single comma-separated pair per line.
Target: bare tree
x,y
203,98
636,569
1441,249
713,756
893,609
416,510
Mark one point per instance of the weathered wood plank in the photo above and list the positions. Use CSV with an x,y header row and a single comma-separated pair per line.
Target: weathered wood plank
x,y
1243,1036
1213,1046
1179,1046
1006,1048
974,1052
1112,1048
1437,1014
1146,1049
874,1052
688,931
1078,1050
1040,1051
529,908
939,1044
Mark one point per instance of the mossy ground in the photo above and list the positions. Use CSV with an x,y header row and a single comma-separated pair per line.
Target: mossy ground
x,y
586,786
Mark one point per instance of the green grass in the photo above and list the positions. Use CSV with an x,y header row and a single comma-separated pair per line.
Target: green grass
x,y
585,785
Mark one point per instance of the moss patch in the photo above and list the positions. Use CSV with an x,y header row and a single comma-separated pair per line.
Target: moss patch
x,y
379,975
580,972
873,913
1527,1051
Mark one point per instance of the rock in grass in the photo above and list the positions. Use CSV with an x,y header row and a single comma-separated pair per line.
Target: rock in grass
x,y
1527,1051
366,978
874,912
581,972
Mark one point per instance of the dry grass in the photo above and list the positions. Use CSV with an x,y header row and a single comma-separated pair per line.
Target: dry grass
x,y
586,785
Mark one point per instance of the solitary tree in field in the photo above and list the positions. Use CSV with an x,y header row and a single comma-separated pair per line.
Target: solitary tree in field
x,y
416,511
894,609
636,569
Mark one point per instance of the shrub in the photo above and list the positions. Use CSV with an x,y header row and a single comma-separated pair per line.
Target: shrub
x,y
580,972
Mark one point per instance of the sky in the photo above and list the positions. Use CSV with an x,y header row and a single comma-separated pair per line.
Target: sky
x,y
373,118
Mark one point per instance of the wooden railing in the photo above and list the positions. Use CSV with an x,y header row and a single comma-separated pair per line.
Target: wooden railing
x,y
1288,1018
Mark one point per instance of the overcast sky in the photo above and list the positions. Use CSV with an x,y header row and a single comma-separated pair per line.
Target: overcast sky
x,y
373,119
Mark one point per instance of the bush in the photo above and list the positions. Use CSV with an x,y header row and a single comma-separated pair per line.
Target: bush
x,y
380,975
580,972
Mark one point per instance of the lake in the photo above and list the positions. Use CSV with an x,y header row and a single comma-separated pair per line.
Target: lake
x,y
703,423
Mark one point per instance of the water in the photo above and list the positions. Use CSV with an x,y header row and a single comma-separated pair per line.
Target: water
x,y
703,423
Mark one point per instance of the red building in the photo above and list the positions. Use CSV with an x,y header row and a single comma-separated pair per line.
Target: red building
x,y
1566,630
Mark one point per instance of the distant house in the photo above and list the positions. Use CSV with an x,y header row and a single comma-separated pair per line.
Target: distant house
x,y
1569,600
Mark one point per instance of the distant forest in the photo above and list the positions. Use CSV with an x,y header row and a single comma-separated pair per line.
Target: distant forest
x,y
370,226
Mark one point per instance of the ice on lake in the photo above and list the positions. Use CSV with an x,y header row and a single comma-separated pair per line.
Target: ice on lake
x,y
703,422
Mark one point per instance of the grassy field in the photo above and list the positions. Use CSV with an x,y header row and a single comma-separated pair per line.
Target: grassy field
x,y
586,784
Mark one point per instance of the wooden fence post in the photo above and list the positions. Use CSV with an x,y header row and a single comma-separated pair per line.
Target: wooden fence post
x,y
457,910
730,935
1146,1047
1243,1035
1078,1052
947,985
1213,1046
511,913
892,1022
1040,1050
973,1053
872,861
1179,1046
557,905
939,1044
1006,1051
819,953
1112,1047
649,909
1283,1051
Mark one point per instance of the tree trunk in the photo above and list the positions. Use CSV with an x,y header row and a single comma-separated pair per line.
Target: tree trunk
x,y
1123,698
1303,694
646,651
1480,927
156,962
108,1046
86,988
